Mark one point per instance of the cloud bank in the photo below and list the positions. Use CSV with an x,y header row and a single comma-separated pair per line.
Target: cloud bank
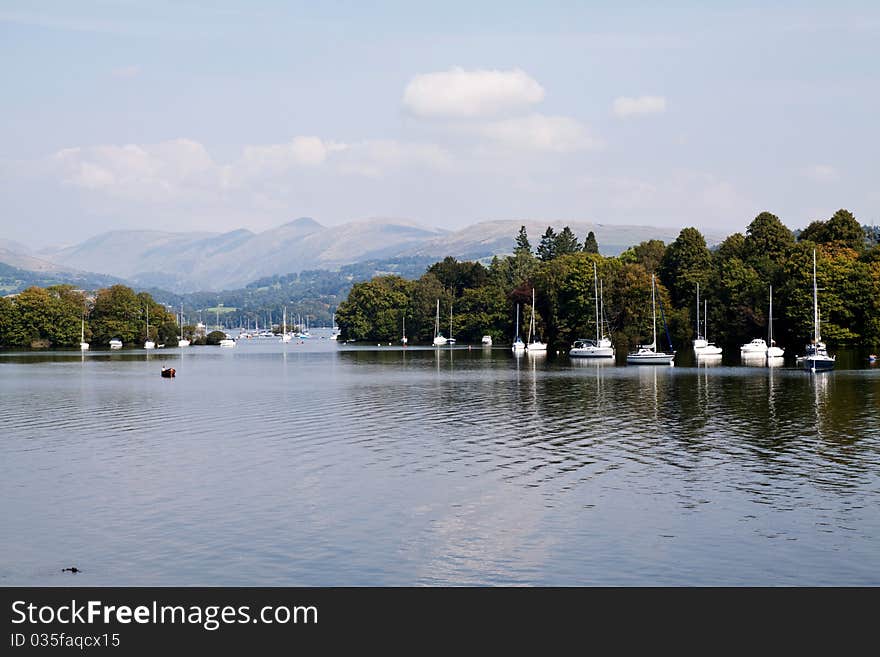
x,y
461,94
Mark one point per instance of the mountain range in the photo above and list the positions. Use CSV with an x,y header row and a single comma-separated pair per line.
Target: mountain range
x,y
185,262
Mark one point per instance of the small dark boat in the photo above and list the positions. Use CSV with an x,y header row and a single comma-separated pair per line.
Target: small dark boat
x,y
168,372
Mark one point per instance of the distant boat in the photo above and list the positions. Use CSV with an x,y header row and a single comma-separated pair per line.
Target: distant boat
x,y
757,347
439,340
403,339
227,342
518,344
487,341
601,347
534,345
817,358
182,341
335,334
83,345
116,343
772,350
285,336
149,344
702,346
647,354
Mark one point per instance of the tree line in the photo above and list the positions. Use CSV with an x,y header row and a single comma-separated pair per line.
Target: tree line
x,y
734,278
53,317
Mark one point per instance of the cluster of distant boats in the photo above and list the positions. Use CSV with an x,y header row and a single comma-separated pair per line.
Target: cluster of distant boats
x,y
816,358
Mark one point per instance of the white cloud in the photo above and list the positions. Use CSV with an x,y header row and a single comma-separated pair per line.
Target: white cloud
x,y
375,158
822,173
279,158
139,172
559,134
468,94
624,107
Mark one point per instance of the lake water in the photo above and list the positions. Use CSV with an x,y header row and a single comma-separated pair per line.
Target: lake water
x,y
326,464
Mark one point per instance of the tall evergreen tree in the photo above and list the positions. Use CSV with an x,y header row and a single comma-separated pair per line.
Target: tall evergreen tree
x,y
522,242
547,247
566,242
590,244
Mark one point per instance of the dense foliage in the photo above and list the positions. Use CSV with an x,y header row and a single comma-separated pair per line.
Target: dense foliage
x,y
734,278
54,316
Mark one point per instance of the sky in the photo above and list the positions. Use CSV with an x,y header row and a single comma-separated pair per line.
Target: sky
x,y
214,116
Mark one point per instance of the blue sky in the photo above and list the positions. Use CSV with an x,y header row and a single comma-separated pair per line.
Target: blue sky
x,y
220,115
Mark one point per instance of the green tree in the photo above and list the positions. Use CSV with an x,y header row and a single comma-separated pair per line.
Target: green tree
x,y
566,243
547,247
214,337
458,276
766,246
648,254
590,244
842,228
7,321
374,309
685,264
522,242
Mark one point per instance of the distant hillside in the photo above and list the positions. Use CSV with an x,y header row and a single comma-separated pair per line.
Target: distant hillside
x,y
183,262
13,280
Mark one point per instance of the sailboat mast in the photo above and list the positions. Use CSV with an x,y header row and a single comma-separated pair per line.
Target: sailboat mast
x,y
602,305
517,320
770,319
705,319
596,294
815,300
698,310
653,314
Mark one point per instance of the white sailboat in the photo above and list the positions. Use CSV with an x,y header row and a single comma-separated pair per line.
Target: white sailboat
x,y
487,341
518,345
647,354
403,339
149,344
335,334
601,347
116,343
534,345
772,350
285,336
702,346
817,358
182,341
439,340
83,345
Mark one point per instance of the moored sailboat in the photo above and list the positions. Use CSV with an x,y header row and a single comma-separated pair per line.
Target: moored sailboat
x,y
817,358
518,345
602,346
702,346
534,344
439,340
772,350
149,344
647,354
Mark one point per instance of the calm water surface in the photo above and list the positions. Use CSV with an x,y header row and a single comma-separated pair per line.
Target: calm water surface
x,y
326,464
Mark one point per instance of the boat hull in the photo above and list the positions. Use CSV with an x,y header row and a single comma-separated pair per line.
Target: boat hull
x,y
818,363
709,350
650,359
591,352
